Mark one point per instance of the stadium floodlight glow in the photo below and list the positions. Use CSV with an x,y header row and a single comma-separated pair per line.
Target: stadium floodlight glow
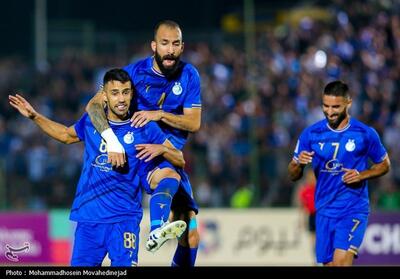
x,y
320,59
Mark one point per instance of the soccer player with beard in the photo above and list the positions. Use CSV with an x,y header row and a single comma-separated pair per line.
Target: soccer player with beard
x,y
167,91
338,149
107,206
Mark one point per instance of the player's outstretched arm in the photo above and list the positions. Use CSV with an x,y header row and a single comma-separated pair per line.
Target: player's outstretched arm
x,y
95,109
190,120
147,152
55,130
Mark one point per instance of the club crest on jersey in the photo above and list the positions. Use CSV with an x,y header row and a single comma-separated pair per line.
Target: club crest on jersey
x,y
350,145
177,89
128,138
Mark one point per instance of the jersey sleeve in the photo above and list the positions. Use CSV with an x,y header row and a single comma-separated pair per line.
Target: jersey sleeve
x,y
376,151
131,69
80,127
193,98
301,145
154,134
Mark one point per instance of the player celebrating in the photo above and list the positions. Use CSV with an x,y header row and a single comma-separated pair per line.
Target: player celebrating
x,y
107,206
168,91
338,148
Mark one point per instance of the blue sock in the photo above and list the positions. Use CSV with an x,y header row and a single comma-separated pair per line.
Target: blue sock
x,y
160,201
184,256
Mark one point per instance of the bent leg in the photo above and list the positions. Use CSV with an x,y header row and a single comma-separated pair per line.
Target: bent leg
x,y
164,183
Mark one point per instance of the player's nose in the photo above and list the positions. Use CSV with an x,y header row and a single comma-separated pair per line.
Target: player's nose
x,y
171,49
329,111
121,99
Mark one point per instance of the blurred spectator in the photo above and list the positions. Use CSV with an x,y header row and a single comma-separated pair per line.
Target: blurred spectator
x,y
242,197
388,197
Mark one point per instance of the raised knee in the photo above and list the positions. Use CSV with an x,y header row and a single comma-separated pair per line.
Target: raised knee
x,y
161,174
172,174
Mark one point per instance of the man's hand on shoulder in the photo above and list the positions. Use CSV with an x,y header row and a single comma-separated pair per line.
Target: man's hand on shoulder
x,y
141,118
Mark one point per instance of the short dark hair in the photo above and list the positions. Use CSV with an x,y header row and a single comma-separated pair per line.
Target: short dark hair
x,y
337,88
116,74
166,22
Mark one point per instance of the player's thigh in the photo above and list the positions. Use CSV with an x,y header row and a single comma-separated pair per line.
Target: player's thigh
x,y
350,232
123,243
89,244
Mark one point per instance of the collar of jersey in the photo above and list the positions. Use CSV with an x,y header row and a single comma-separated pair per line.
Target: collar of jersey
x,y
119,122
157,72
341,130
153,69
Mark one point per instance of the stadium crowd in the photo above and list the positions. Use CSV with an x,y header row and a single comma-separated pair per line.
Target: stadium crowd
x,y
360,44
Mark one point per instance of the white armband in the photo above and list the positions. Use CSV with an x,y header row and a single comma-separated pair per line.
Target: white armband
x,y
113,144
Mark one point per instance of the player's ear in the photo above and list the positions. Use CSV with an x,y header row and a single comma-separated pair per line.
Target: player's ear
x,y
104,94
182,46
153,46
349,103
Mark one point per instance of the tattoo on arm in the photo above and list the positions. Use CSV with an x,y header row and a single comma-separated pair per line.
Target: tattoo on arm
x,y
98,117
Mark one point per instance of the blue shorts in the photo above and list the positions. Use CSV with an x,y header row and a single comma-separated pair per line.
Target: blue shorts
x,y
94,240
344,233
183,199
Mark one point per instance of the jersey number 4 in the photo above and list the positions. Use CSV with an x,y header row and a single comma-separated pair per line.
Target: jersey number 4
x,y
161,100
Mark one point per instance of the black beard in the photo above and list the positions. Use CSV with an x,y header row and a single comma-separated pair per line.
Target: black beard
x,y
120,116
168,72
337,122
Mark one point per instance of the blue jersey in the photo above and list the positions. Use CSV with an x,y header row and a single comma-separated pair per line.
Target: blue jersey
x,y
154,92
350,148
105,194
